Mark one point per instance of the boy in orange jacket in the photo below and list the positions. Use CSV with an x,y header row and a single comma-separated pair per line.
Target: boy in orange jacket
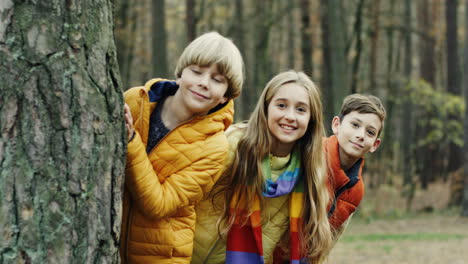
x,y
356,132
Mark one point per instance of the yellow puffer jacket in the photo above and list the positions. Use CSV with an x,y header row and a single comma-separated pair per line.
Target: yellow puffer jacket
x,y
209,248
162,187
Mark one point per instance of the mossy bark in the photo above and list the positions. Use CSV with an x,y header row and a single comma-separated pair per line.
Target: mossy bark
x,y
62,144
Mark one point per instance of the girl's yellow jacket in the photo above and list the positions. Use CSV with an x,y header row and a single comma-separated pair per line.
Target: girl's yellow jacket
x,y
161,187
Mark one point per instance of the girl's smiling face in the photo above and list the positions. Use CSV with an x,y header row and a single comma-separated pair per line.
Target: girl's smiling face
x,y
288,117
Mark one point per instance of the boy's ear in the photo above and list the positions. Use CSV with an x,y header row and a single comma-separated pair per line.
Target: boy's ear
x,y
376,145
336,122
223,100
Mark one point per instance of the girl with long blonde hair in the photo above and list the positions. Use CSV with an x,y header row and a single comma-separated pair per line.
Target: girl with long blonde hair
x,y
274,186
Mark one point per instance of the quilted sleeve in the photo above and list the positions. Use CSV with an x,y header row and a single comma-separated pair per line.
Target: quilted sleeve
x,y
159,198
345,206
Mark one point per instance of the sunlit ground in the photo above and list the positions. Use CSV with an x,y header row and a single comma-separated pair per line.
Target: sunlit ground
x,y
384,233
421,239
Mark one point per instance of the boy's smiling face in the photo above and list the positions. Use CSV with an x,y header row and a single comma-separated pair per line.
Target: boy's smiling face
x,y
202,88
357,135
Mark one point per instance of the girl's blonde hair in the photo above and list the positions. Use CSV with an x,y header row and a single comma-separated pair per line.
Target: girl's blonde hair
x,y
212,48
244,176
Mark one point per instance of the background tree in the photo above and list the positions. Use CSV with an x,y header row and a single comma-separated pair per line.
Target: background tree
x,y
134,38
335,77
453,78
191,19
407,123
61,145
465,173
306,37
159,39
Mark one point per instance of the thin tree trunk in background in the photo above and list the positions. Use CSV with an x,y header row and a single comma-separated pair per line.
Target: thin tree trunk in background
x,y
325,81
407,110
159,39
337,75
431,161
465,156
306,37
357,58
427,45
262,65
239,39
62,148
125,34
133,43
191,20
453,75
374,44
291,47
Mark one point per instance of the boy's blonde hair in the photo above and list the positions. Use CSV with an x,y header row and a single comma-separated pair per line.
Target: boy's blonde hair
x,y
363,104
212,48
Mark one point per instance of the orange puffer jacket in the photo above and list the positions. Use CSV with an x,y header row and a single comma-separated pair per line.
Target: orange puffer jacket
x,y
161,187
346,188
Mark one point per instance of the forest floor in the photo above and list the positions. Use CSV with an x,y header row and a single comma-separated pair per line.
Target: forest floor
x,y
422,239
383,233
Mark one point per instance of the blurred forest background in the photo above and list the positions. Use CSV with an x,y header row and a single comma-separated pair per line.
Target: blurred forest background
x,y
409,53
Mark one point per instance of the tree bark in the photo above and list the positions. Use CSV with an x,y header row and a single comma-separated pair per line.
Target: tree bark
x,y
453,75
407,111
374,44
465,156
335,61
125,34
239,39
357,58
61,151
306,37
190,20
159,39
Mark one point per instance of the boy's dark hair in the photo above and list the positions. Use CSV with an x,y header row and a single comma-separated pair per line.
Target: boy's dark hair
x,y
363,104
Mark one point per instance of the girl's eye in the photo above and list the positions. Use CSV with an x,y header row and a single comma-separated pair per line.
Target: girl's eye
x,y
355,125
301,109
371,132
281,105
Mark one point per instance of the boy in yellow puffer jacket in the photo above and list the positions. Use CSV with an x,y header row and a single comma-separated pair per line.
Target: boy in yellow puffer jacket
x,y
176,149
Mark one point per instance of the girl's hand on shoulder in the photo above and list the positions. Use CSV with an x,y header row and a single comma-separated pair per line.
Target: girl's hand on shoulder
x,y
129,122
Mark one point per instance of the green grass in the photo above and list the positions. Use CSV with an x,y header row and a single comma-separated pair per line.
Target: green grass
x,y
402,237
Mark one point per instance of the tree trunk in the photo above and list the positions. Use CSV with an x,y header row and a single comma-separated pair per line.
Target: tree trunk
x,y
262,60
337,74
465,193
407,124
61,147
291,41
357,58
427,45
374,44
133,41
453,84
325,81
306,37
239,40
159,39
125,34
190,20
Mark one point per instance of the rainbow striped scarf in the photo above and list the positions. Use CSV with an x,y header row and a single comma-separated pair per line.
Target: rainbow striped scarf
x,y
244,241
